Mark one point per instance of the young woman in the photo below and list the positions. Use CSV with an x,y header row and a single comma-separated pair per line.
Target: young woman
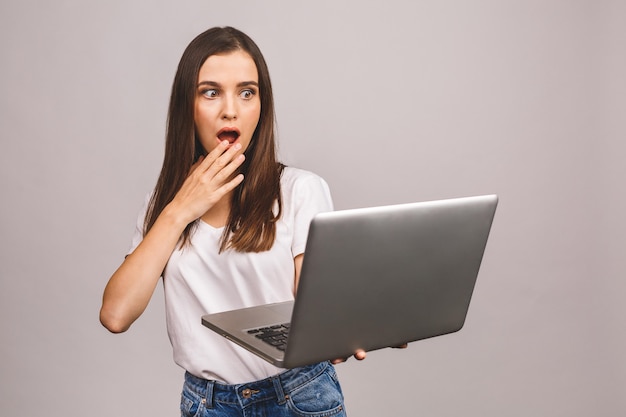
x,y
226,228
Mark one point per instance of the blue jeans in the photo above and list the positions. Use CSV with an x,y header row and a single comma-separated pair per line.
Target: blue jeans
x,y
311,391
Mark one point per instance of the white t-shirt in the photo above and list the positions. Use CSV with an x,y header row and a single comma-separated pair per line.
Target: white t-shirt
x,y
198,280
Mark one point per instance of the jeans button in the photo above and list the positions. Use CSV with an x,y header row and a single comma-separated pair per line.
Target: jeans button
x,y
247,393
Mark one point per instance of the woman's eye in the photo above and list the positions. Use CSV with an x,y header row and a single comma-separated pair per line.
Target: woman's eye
x,y
210,93
247,94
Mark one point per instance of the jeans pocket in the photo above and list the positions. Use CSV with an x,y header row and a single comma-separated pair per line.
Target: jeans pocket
x,y
189,404
319,397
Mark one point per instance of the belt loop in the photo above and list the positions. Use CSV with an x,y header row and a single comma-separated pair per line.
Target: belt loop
x,y
208,396
278,387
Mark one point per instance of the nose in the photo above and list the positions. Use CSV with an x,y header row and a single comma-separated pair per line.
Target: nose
x,y
229,112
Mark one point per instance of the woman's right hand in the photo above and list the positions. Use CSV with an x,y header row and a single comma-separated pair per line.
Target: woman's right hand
x,y
209,179
130,288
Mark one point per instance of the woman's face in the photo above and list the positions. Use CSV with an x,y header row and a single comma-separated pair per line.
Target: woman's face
x,y
227,105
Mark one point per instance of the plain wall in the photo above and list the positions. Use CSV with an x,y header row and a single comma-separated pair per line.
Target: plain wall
x,y
391,102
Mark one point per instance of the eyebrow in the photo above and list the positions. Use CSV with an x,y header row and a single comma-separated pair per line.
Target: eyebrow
x,y
239,85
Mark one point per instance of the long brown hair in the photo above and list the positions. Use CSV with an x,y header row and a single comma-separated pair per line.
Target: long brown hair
x,y
251,224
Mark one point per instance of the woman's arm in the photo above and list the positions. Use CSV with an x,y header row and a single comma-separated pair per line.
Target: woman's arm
x,y
298,265
130,288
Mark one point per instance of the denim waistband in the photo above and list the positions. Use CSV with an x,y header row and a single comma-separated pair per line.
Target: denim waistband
x,y
275,387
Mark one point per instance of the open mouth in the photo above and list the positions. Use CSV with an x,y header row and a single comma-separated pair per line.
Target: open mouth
x,y
230,135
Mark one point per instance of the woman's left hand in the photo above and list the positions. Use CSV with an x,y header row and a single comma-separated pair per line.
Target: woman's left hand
x,y
360,354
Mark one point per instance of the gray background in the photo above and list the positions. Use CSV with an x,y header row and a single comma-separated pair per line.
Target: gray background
x,y
391,102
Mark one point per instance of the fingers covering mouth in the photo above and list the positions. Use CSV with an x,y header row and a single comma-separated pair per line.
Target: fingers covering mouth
x,y
229,134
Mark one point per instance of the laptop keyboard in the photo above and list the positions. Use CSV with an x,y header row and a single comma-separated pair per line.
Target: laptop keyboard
x,y
273,335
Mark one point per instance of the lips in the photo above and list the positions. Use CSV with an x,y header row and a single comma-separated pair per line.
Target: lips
x,y
230,134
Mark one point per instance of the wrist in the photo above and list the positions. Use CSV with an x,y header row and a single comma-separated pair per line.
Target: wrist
x,y
174,218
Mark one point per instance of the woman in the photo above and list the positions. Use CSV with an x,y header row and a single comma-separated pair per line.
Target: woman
x,y
226,228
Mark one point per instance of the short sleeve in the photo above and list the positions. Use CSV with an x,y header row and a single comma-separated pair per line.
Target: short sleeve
x,y
138,233
311,195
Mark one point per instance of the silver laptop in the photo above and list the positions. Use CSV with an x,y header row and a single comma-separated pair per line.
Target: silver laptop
x,y
371,278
